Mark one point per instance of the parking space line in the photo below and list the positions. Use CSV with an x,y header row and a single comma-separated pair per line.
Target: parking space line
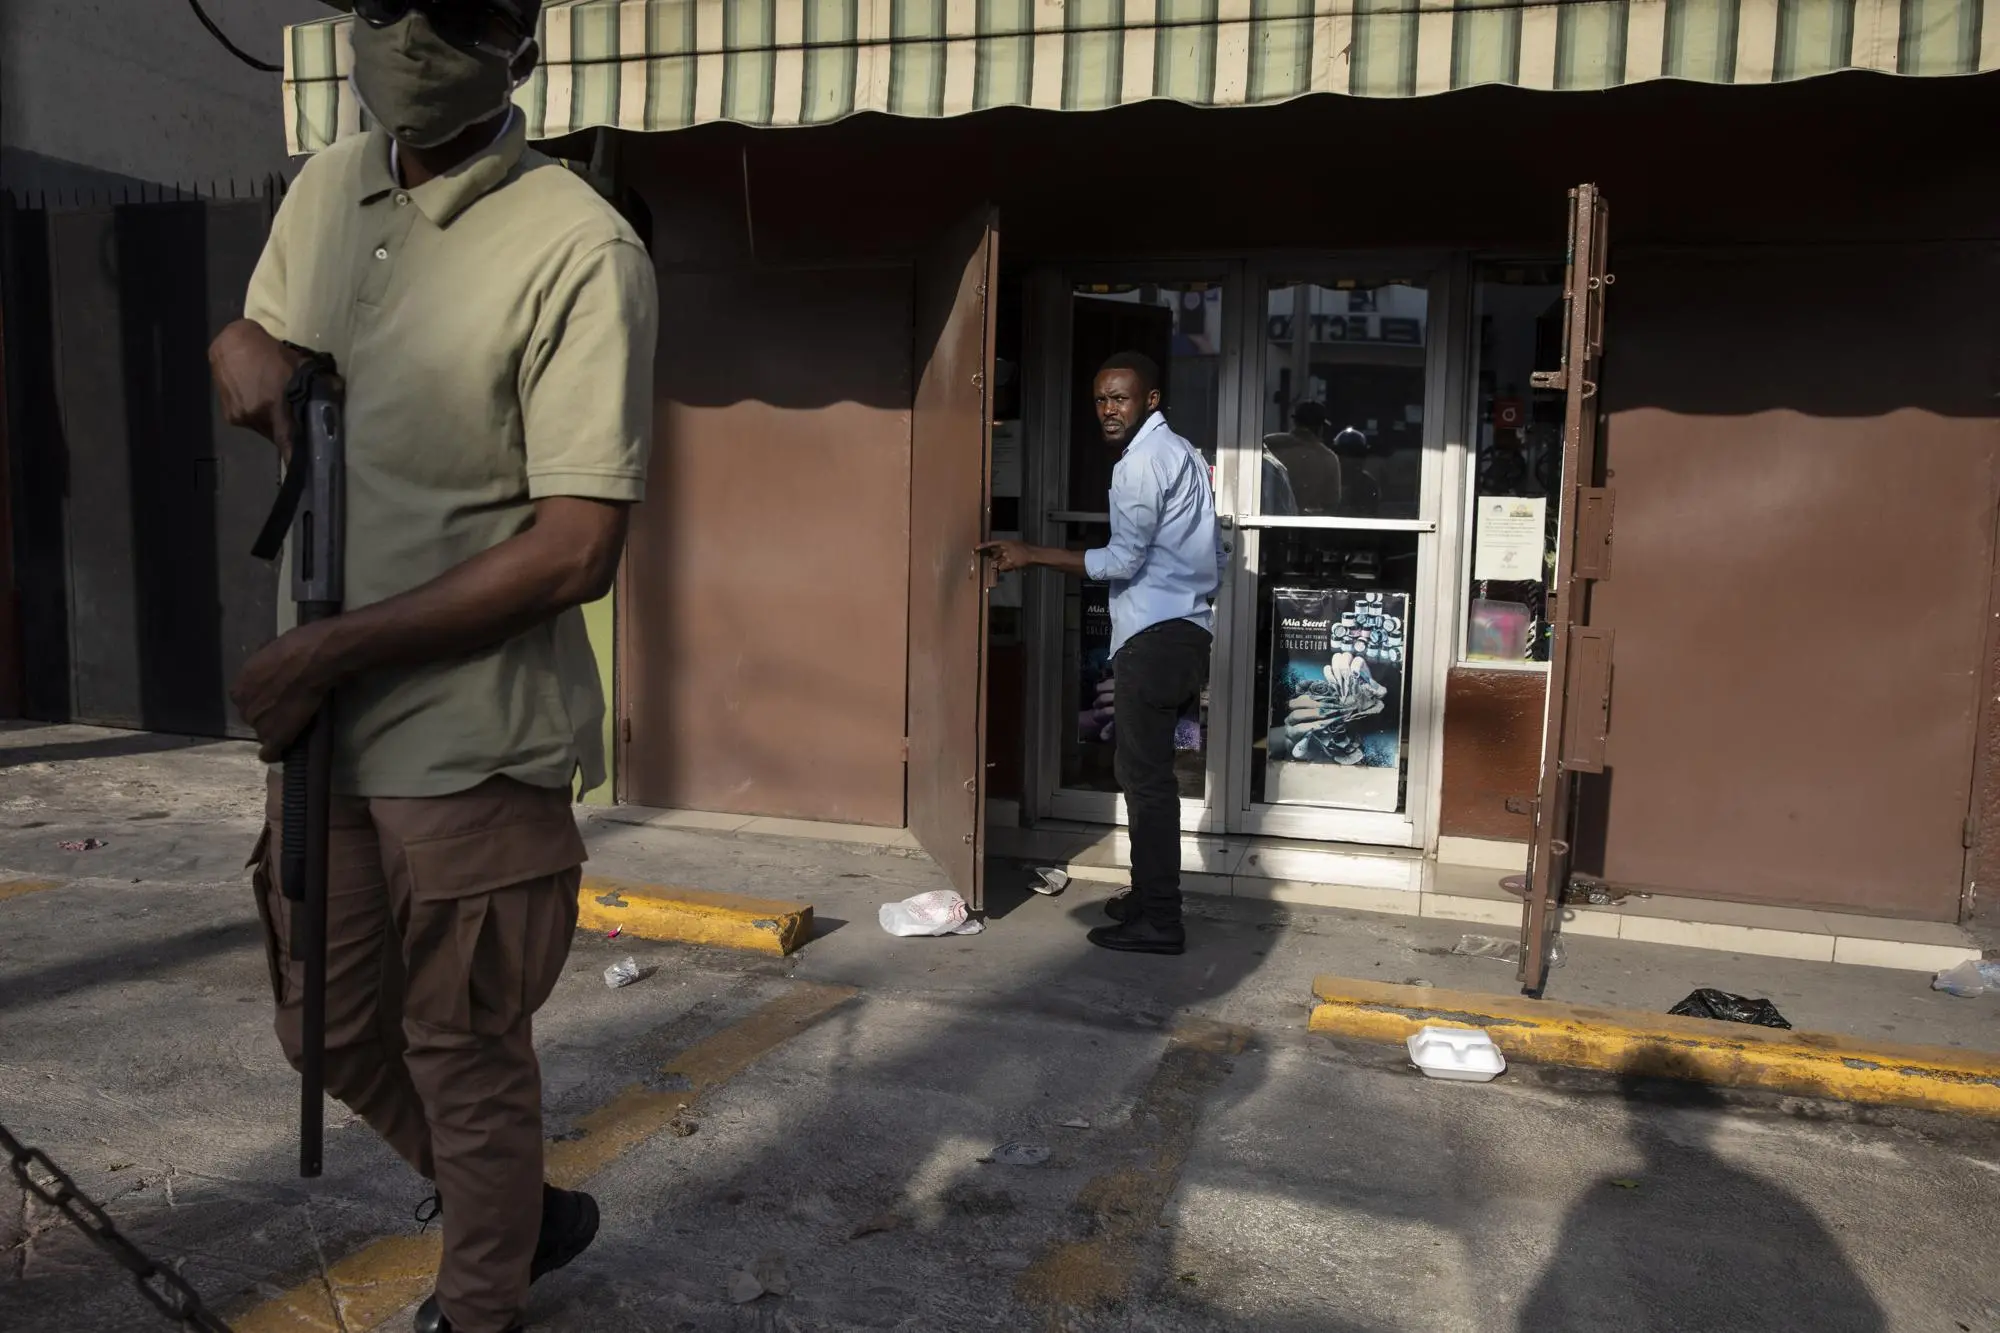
x,y
19,888
1122,1207
389,1275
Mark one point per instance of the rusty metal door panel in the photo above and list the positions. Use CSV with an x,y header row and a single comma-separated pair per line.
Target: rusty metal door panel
x,y
950,429
1806,507
764,592
1587,712
1586,281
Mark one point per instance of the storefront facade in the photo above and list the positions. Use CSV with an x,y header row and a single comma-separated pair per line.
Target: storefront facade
x,y
879,331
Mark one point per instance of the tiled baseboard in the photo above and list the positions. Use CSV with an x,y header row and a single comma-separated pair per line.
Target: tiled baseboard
x,y
1401,883
1404,884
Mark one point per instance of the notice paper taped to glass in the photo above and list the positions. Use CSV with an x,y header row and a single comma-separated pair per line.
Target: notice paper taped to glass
x,y
1512,538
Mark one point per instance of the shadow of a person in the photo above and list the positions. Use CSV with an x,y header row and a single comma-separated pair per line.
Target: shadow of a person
x,y
1693,1242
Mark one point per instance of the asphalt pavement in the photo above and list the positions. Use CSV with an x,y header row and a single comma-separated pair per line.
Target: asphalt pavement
x,y
838,1130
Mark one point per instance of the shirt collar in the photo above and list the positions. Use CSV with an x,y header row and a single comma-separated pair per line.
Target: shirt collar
x,y
1156,421
445,197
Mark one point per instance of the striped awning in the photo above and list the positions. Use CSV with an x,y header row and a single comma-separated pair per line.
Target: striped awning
x,y
669,64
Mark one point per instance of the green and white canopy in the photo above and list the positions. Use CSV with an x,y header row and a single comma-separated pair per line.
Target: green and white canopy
x,y
669,64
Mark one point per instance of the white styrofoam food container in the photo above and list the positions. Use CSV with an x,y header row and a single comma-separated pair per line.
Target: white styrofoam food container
x,y
1459,1053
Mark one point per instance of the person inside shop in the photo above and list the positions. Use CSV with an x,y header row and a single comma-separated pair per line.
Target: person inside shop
x,y
1311,466
1163,564
1361,493
494,321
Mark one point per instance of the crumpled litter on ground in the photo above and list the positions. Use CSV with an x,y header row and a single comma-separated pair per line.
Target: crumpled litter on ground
x,y
1050,880
1970,979
939,912
1706,1003
1504,951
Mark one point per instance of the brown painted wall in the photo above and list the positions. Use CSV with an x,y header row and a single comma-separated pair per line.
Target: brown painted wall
x,y
1492,752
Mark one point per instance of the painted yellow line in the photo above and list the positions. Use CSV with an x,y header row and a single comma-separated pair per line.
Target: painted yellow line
x,y
20,888
1123,1206
694,916
1732,1055
388,1276
638,1113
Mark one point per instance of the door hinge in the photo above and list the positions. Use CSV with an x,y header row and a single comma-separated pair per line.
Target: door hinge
x,y
628,731
1971,831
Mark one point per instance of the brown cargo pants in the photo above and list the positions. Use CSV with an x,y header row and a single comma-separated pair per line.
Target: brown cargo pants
x,y
448,922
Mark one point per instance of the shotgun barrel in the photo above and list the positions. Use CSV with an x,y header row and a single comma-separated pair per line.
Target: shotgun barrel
x,y
312,506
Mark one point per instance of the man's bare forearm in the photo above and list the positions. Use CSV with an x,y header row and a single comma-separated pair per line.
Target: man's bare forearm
x,y
566,559
1062,561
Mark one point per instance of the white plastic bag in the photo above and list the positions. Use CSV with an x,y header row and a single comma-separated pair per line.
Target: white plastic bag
x,y
1969,980
940,912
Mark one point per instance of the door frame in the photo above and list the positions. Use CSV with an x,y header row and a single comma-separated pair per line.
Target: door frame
x,y
1046,411
1435,610
1045,417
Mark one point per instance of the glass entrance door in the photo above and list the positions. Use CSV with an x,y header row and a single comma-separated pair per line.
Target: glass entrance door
x,y
1337,476
1176,316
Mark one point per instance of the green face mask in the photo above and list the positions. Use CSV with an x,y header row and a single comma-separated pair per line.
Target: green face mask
x,y
423,90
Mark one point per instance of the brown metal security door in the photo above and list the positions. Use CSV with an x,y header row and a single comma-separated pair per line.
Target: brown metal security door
x,y
772,551
949,497
1580,657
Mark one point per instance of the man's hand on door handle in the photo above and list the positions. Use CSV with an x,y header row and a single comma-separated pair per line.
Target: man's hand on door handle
x,y
1008,556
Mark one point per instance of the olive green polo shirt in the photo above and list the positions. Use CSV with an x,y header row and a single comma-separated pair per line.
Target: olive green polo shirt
x,y
495,327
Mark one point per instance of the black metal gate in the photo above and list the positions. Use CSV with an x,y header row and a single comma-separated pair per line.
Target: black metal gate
x,y
133,505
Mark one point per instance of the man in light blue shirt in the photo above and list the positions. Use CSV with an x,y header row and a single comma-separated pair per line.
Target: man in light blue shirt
x,y
1163,563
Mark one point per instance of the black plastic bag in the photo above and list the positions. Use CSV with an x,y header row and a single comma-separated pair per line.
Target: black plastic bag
x,y
1729,1008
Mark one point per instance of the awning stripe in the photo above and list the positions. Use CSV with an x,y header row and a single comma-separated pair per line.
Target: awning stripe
x,y
669,64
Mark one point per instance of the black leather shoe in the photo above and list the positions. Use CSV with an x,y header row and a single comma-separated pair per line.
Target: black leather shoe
x,y
569,1225
1139,935
445,1325
1121,908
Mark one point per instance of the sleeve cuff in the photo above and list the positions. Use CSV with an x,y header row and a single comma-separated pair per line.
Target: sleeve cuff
x,y
1093,563
621,487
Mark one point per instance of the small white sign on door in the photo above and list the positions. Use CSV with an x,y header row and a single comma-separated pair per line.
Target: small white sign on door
x,y
1512,538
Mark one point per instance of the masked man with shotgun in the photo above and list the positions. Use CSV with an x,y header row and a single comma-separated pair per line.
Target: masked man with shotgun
x,y
493,323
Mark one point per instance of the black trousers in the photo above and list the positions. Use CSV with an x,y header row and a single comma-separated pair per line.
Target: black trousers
x,y
1157,674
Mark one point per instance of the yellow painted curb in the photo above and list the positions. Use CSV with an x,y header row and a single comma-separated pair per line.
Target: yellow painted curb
x,y
693,916
1733,1055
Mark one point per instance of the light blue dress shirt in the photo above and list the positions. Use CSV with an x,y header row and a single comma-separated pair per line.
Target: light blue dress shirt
x,y
1165,559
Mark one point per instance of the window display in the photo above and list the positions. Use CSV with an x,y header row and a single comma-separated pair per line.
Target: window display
x,y
1517,465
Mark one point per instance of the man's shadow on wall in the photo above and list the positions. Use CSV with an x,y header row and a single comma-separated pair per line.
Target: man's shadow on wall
x,y
1690,1242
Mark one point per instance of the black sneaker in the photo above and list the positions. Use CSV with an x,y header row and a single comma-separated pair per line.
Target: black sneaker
x,y
1139,935
569,1225
1123,907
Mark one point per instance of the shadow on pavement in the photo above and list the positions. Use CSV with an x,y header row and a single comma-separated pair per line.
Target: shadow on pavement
x,y
97,747
1693,1242
122,966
